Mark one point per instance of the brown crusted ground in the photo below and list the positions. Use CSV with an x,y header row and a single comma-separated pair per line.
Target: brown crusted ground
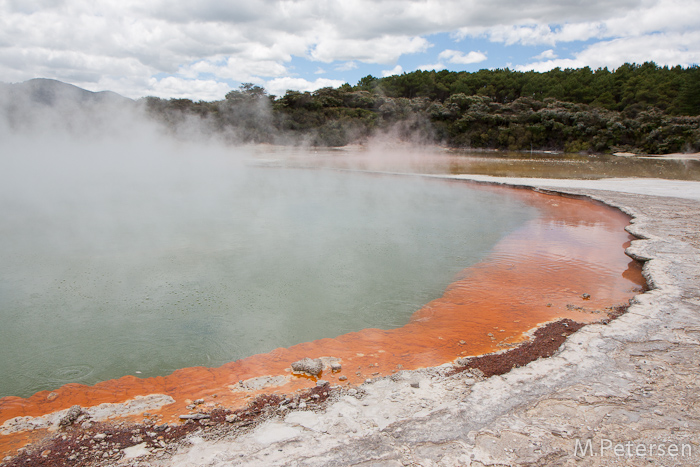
x,y
545,341
74,446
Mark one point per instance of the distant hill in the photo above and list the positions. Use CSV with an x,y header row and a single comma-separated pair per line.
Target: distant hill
x,y
51,92
48,103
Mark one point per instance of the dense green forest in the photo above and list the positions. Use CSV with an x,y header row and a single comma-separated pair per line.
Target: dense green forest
x,y
638,108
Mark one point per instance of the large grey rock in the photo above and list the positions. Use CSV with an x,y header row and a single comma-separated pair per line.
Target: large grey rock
x,y
309,366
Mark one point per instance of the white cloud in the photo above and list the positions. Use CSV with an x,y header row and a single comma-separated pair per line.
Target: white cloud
x,y
397,70
551,64
656,16
546,55
664,49
642,18
455,56
384,49
279,86
435,66
173,87
127,42
347,66
537,34
238,68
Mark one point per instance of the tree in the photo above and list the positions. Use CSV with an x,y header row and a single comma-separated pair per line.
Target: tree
x,y
689,95
367,83
247,91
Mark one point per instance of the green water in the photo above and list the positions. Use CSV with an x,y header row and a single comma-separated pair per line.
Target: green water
x,y
146,261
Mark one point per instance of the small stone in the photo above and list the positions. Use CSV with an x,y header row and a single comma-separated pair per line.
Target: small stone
x,y
586,296
306,365
86,425
100,436
198,401
231,418
45,453
52,396
321,382
343,378
336,366
302,405
194,416
71,416
462,342
352,391
368,380
415,384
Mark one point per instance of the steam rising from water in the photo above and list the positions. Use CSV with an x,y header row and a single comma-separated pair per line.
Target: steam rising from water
x,y
124,251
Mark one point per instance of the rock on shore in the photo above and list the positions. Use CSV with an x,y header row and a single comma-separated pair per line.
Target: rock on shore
x,y
312,367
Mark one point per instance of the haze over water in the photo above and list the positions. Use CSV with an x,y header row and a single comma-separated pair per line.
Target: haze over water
x,y
136,258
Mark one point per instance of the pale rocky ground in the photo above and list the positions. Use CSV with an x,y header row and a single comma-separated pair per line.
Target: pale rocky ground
x,y
632,382
101,412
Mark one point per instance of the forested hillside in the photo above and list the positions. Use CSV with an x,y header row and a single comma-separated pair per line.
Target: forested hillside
x,y
639,108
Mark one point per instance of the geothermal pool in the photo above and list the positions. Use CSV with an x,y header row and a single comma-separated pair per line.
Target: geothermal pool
x,y
121,268
143,262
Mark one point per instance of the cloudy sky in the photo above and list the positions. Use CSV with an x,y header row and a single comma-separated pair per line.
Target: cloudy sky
x,y
202,49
